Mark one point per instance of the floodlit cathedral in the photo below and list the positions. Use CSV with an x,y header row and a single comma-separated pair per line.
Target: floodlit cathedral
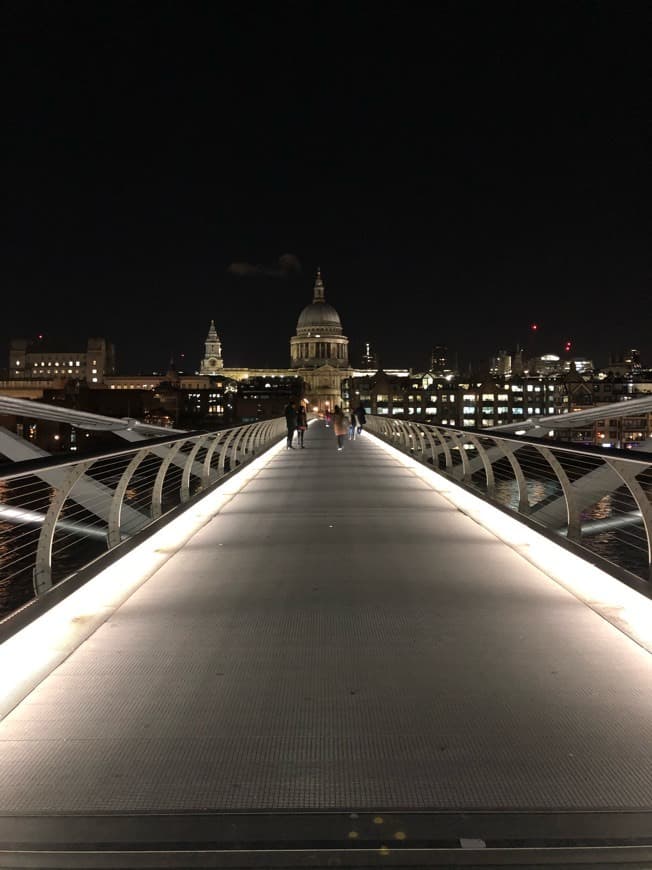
x,y
319,354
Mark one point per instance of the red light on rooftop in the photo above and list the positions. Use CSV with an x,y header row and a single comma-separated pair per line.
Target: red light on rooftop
x,y
534,327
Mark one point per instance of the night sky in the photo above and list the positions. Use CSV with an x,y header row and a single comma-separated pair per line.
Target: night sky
x,y
458,170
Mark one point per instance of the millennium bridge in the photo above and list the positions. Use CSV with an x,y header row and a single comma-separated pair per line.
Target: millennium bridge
x,y
429,649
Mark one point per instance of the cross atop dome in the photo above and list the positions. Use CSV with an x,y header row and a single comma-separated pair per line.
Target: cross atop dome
x,y
319,288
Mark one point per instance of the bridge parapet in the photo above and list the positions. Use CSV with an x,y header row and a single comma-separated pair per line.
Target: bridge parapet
x,y
57,516
595,502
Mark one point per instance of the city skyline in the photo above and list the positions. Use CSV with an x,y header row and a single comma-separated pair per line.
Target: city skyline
x,y
457,177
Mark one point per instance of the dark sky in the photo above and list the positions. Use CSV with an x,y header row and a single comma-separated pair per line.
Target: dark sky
x,y
458,170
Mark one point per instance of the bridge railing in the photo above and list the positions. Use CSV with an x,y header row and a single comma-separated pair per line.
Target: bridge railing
x,y
59,515
597,502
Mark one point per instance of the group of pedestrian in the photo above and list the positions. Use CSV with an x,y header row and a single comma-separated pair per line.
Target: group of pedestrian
x,y
296,420
352,426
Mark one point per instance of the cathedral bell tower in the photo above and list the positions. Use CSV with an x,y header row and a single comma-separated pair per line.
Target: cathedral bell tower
x,y
212,361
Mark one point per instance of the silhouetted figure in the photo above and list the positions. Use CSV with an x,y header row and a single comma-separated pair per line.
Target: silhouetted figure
x,y
302,424
291,420
361,416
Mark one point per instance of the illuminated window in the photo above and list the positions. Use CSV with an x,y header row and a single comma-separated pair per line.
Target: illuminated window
x,y
431,410
503,397
487,397
94,380
469,412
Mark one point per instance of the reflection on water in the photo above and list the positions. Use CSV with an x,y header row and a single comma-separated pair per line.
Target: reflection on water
x,y
624,545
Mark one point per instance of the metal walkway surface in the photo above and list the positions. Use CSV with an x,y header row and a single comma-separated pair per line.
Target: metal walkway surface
x,y
338,639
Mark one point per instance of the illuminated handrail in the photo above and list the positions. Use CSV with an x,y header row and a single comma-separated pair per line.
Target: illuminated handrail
x,y
46,535
597,502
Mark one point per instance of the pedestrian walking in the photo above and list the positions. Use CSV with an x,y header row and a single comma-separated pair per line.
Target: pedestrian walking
x,y
361,417
353,424
291,421
302,424
340,426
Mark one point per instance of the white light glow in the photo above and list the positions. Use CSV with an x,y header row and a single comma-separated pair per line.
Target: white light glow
x,y
35,651
620,605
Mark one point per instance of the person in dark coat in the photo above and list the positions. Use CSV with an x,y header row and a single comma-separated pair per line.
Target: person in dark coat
x,y
291,420
361,417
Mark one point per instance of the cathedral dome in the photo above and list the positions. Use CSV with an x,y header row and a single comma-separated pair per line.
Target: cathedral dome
x,y
319,315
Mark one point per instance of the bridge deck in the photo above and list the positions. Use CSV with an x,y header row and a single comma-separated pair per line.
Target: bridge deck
x,y
339,637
